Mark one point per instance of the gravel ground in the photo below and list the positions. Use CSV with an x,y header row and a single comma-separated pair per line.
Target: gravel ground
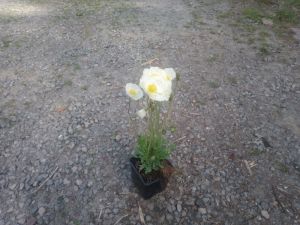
x,y
65,136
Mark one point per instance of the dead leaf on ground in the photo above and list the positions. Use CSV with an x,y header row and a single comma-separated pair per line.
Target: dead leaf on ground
x,y
60,109
167,170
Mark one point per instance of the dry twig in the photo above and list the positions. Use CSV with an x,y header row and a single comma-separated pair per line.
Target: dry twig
x,y
281,205
194,114
179,139
45,181
118,221
141,214
248,167
100,214
149,62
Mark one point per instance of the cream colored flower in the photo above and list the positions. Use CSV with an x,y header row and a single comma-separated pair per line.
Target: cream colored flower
x,y
170,73
155,84
154,72
141,113
134,91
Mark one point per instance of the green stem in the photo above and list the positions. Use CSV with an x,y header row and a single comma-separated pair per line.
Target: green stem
x,y
170,106
154,129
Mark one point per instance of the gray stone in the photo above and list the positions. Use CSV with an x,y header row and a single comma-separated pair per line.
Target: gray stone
x,y
12,186
21,218
60,137
90,183
148,218
169,217
296,32
72,145
66,181
118,137
41,211
179,207
70,130
199,202
265,214
78,182
74,169
202,210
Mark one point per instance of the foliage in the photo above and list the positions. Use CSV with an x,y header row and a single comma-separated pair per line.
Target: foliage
x,y
293,3
252,14
286,16
152,150
286,11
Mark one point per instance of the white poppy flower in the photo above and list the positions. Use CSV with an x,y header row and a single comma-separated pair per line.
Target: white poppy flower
x,y
155,83
134,91
170,73
154,72
141,113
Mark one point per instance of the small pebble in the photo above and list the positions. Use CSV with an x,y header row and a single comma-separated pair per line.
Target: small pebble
x,y
265,214
41,211
179,207
202,210
66,181
78,182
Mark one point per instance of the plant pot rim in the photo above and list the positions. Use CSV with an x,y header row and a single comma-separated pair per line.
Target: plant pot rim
x,y
138,173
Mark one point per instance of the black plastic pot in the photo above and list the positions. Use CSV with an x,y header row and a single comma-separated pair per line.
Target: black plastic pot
x,y
146,189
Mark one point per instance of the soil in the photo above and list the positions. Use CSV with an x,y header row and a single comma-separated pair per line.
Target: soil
x,y
152,176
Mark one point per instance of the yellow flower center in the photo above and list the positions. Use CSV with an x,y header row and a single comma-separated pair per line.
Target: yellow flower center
x,y
132,92
151,88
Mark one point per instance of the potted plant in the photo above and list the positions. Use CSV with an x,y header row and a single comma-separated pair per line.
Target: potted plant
x,y
150,167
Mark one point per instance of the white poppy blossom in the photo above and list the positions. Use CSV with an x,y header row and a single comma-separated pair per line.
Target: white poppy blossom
x,y
141,113
170,73
134,91
155,84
